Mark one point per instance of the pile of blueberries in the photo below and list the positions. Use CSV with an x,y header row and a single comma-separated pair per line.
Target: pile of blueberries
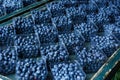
x,y
54,52
31,69
7,35
111,44
86,29
47,33
8,59
71,40
92,57
69,70
68,39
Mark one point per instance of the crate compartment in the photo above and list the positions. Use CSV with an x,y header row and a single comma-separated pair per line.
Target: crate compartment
x,y
7,35
23,25
56,9
54,52
91,59
41,16
69,70
86,29
28,51
113,30
8,59
76,15
47,33
24,40
63,24
31,69
109,44
12,5
71,40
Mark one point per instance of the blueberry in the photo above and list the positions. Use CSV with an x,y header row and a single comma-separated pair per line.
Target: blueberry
x,y
67,71
47,33
8,59
71,40
54,52
28,51
23,25
12,5
25,69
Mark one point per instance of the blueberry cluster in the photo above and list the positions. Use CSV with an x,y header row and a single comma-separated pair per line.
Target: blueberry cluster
x,y
71,40
47,33
102,18
76,15
86,29
12,5
8,59
106,43
26,40
95,59
67,71
2,11
81,55
40,17
63,24
28,2
23,25
54,52
7,35
31,69
28,51
56,9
